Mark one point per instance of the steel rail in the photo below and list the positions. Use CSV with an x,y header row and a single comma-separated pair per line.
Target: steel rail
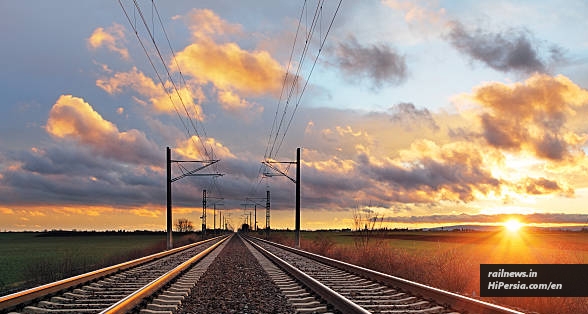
x,y
24,297
131,301
455,301
340,302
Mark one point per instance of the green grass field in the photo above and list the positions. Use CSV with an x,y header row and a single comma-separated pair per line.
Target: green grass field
x,y
26,255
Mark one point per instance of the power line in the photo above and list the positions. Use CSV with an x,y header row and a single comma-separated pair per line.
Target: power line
x,y
208,152
208,155
315,23
186,85
285,80
296,76
133,25
308,79
272,150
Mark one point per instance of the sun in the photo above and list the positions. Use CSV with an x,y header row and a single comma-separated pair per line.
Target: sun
x,y
513,225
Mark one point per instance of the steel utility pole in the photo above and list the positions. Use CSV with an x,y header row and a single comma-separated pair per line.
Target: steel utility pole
x,y
170,180
267,215
203,212
254,201
205,199
296,181
169,200
214,213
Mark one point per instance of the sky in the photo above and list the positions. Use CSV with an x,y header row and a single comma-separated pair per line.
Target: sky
x,y
416,112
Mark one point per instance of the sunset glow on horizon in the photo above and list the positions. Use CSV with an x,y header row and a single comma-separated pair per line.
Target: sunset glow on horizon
x,y
431,113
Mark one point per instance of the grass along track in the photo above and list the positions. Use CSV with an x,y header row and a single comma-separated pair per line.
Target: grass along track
x,y
32,258
418,256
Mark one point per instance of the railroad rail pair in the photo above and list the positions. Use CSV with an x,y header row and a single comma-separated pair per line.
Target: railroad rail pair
x,y
339,286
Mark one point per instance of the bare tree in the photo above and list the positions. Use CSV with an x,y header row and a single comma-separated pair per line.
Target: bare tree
x,y
364,221
184,225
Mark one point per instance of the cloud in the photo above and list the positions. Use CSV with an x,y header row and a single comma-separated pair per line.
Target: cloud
x,y
379,64
73,118
424,18
454,172
532,116
541,186
467,218
511,50
227,66
69,174
412,118
193,148
231,102
112,38
205,23
184,101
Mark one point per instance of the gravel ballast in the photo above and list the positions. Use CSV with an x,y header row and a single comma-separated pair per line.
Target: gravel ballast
x,y
235,283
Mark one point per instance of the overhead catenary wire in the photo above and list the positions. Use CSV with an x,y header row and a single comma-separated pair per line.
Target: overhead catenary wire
x,y
285,81
308,79
183,82
206,152
315,23
294,83
282,127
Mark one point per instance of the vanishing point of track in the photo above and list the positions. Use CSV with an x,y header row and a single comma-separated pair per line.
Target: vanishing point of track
x,y
168,282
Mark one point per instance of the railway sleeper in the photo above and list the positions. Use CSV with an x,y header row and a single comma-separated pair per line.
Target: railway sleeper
x,y
166,302
395,301
312,310
310,303
417,306
146,311
431,310
53,305
293,291
160,307
360,290
345,286
102,300
94,287
39,310
165,296
371,296
106,293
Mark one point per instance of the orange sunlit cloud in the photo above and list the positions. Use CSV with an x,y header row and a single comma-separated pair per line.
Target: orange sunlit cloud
x,y
205,23
227,66
73,118
185,99
232,102
112,38
144,212
532,116
193,148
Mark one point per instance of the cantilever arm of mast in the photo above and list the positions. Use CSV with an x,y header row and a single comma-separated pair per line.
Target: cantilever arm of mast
x,y
192,173
253,201
281,173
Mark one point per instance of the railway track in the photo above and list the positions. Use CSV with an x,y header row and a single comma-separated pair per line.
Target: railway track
x,y
352,289
168,282
116,289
